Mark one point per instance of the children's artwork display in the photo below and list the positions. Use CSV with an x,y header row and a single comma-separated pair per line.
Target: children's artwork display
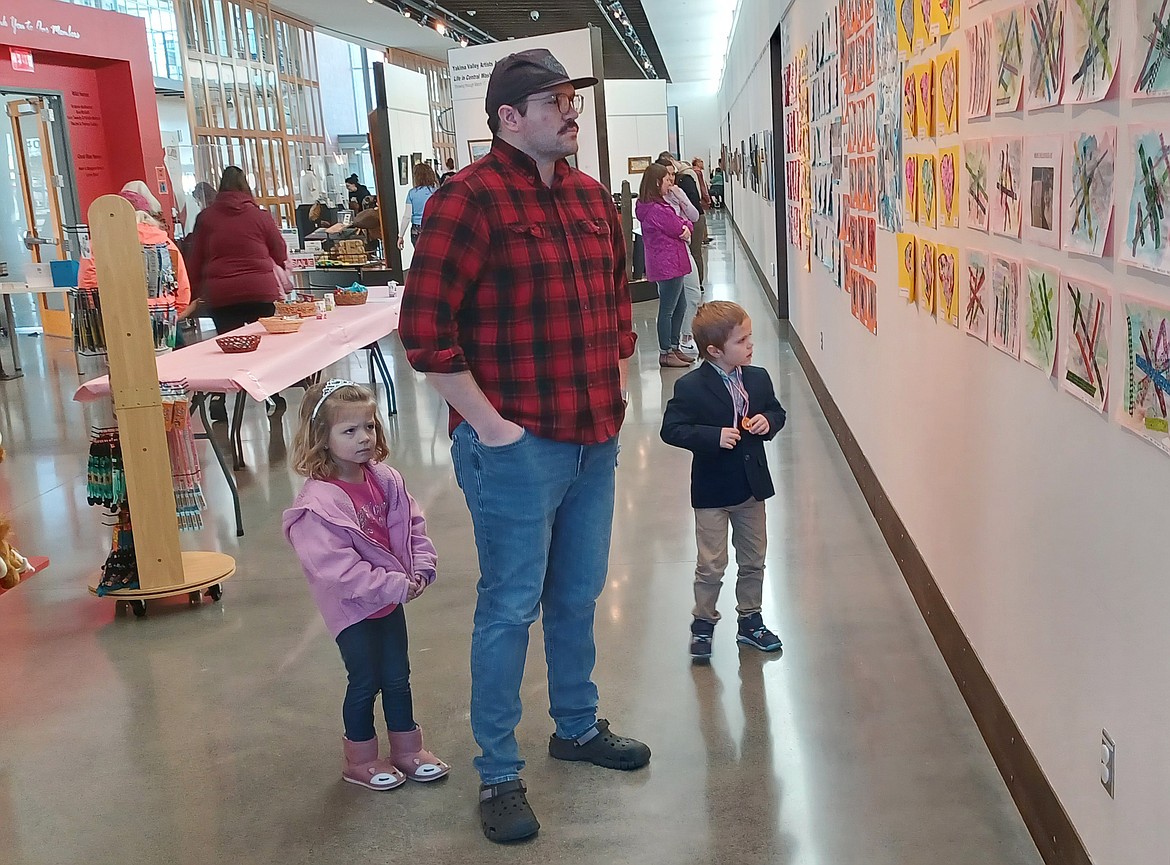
x,y
946,109
1045,53
977,293
944,17
826,148
1038,346
947,277
905,22
1042,216
907,265
1005,305
1092,48
1147,239
889,119
927,190
927,275
910,175
1153,27
1085,371
922,15
1147,374
1008,29
979,81
976,159
1088,190
948,187
1006,199
924,76
910,100
797,156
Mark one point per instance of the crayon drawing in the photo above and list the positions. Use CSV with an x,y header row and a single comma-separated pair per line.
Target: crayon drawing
x,y
944,17
1093,35
927,275
927,190
910,176
1085,371
948,187
1147,239
1009,59
947,276
1040,316
979,84
1147,375
1005,305
1006,198
1153,47
1045,43
946,109
977,294
976,159
1088,190
907,265
925,98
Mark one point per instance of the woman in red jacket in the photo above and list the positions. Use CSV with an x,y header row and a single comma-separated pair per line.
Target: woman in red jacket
x,y
235,256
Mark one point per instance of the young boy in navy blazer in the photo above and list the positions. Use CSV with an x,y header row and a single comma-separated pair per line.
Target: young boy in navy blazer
x,y
723,412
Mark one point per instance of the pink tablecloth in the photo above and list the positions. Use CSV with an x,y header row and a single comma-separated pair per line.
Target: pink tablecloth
x,y
279,362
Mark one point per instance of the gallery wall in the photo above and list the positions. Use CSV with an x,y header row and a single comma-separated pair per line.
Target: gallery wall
x,y
411,137
1041,518
635,113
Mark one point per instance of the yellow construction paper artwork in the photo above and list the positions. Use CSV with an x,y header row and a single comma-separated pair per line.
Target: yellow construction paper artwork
x,y
907,265
927,275
905,18
927,190
924,75
923,12
947,282
944,17
946,108
911,185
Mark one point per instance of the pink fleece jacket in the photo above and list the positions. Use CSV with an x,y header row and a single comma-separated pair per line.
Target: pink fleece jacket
x,y
351,576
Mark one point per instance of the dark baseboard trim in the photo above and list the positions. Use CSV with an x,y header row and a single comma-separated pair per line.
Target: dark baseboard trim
x,y
1053,832
760,275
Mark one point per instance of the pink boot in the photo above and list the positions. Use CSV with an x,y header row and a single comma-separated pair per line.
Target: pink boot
x,y
363,767
407,753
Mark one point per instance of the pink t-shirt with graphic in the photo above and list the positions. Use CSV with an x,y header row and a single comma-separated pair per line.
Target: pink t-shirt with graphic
x,y
370,503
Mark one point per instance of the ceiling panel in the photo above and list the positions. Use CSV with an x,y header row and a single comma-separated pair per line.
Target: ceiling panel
x,y
512,18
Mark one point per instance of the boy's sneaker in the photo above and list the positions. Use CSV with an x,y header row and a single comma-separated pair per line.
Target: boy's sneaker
x,y
688,346
701,633
753,632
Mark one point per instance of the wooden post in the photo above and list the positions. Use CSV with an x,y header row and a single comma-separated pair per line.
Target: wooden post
x,y
135,391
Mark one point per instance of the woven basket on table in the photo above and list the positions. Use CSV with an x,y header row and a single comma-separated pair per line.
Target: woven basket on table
x,y
350,298
305,309
276,324
238,344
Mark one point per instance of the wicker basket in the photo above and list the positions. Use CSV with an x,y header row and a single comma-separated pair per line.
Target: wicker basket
x,y
350,298
304,309
239,344
278,324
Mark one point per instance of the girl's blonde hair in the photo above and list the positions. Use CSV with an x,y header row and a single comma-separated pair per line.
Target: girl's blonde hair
x,y
310,453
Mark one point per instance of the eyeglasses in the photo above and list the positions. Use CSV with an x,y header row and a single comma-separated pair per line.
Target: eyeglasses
x,y
563,101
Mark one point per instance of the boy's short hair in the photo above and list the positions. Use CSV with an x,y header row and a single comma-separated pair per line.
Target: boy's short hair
x,y
714,322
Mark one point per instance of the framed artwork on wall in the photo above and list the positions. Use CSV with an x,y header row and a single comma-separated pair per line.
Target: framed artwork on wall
x,y
478,147
415,158
638,164
403,170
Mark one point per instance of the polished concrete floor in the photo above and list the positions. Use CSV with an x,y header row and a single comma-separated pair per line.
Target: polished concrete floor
x,y
212,734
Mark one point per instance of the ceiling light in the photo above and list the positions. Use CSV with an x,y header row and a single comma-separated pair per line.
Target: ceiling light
x,y
440,28
406,12
463,41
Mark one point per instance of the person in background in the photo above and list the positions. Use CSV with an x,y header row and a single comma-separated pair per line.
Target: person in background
x,y
692,289
235,261
449,173
139,187
665,235
150,233
527,333
717,188
358,192
705,195
425,184
722,413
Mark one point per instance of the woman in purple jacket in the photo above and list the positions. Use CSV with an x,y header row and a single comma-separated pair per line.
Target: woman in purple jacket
x,y
363,545
665,236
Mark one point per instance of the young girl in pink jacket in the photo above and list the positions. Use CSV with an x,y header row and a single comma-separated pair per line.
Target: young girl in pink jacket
x,y
363,544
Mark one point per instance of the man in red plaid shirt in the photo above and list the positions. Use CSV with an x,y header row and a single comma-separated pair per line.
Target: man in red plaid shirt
x,y
518,311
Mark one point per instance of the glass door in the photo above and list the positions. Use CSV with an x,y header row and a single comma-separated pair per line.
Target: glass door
x,y
41,187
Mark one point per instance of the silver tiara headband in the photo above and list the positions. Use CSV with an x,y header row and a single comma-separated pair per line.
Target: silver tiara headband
x,y
330,386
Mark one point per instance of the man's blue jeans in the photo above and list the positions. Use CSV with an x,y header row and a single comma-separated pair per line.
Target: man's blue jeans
x,y
543,513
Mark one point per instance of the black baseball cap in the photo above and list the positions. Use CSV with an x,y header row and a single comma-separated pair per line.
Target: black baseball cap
x,y
524,73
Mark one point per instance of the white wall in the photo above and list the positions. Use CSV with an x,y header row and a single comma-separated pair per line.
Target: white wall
x,y
471,68
1044,524
408,104
335,76
635,116
698,120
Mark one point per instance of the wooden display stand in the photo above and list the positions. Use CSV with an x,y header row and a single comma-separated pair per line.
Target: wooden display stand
x,y
163,570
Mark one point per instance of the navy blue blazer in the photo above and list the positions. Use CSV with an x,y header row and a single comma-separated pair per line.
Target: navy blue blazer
x,y
695,418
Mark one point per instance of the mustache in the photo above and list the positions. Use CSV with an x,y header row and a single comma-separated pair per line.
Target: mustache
x,y
572,124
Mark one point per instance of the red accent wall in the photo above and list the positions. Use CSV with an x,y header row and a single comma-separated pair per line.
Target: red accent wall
x,y
108,86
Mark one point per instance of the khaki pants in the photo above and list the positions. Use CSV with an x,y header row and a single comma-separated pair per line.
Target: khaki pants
x,y
698,250
749,536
